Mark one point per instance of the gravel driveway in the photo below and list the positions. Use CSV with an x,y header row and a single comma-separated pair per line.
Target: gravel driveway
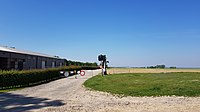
x,y
69,95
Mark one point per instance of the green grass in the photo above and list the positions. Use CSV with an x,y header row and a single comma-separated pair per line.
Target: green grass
x,y
148,84
8,90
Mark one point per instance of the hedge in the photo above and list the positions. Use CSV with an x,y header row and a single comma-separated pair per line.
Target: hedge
x,y
14,79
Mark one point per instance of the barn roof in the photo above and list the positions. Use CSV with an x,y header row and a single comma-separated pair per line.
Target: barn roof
x,y
13,50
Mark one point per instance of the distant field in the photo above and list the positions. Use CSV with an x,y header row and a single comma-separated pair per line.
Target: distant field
x,y
145,70
147,84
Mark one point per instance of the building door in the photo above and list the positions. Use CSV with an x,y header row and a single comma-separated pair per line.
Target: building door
x,y
61,64
12,65
3,63
43,64
20,65
53,64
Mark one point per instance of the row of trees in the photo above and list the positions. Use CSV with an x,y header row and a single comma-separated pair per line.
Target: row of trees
x,y
160,66
157,66
76,63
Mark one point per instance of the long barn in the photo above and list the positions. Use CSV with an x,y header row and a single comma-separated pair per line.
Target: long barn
x,y
14,59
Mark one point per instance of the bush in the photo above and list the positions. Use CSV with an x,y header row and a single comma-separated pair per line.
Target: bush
x,y
172,67
13,79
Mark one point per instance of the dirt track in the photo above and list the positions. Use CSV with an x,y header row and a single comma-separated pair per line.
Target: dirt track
x,y
68,95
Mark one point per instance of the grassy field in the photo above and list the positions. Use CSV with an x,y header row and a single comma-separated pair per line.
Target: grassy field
x,y
147,84
145,70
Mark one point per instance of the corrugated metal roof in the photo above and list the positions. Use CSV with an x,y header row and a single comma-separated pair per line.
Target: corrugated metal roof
x,y
13,50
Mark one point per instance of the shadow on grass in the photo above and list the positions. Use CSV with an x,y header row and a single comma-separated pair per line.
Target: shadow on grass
x,y
18,103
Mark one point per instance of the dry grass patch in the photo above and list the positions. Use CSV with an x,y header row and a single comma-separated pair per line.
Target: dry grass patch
x,y
145,70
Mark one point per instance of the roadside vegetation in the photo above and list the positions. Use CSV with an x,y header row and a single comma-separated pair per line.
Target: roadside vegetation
x,y
147,84
17,79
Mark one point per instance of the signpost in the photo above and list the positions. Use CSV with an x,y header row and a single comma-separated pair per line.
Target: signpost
x,y
82,73
102,58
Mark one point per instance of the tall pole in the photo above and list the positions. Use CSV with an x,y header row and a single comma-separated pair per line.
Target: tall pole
x,y
102,59
102,68
105,72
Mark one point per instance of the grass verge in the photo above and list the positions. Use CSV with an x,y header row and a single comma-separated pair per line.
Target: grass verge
x,y
8,90
147,84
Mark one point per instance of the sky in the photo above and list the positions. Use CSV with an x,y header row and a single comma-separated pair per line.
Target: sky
x,y
135,33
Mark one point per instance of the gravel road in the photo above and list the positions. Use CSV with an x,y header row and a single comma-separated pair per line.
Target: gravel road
x,y
68,95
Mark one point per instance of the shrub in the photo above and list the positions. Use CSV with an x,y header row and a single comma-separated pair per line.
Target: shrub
x,y
172,67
